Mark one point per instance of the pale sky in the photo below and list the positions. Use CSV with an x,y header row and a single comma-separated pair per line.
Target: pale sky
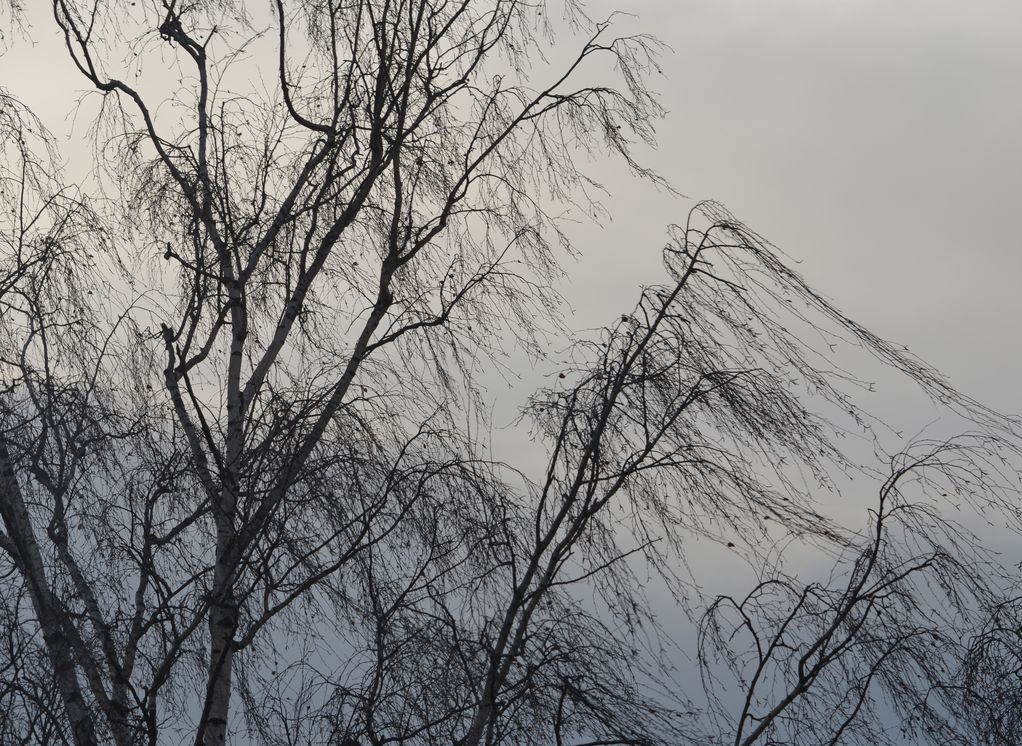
x,y
879,142
876,141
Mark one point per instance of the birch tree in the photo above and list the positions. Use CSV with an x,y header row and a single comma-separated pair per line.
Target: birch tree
x,y
896,646
244,478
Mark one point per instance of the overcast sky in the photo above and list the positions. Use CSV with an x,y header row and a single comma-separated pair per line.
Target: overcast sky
x,y
878,141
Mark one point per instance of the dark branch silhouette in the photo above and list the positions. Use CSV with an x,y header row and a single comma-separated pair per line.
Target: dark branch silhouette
x,y
245,485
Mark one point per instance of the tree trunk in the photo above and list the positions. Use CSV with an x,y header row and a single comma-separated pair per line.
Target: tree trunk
x,y
23,547
223,623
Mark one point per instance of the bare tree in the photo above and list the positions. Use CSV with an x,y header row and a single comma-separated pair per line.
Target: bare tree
x,y
245,483
48,237
987,683
874,655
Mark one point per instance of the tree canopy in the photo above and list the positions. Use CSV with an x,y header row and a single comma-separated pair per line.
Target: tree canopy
x,y
247,489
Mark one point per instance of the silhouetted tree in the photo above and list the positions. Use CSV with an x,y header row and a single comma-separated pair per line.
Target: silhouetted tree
x,y
244,479
987,683
873,655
